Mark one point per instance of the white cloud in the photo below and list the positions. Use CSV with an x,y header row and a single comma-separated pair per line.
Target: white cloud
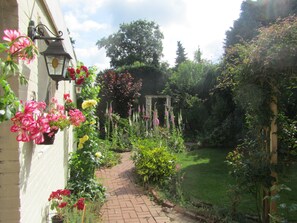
x,y
194,23
91,56
85,26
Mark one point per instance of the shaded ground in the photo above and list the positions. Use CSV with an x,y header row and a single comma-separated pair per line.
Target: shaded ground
x,y
127,202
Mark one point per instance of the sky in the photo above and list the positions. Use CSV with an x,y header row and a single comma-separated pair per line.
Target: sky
x,y
195,23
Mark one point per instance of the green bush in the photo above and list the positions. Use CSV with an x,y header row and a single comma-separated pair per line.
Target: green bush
x,y
154,165
109,158
87,188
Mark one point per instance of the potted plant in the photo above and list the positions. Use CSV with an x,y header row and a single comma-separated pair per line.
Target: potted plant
x,y
30,123
79,74
62,202
68,103
34,123
59,201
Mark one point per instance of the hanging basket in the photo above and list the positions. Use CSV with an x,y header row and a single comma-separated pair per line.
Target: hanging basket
x,y
49,138
78,89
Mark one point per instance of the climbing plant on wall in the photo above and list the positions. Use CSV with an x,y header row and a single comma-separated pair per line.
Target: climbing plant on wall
x,y
259,71
16,47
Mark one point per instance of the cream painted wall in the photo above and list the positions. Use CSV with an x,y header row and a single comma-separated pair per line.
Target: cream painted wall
x,y
31,172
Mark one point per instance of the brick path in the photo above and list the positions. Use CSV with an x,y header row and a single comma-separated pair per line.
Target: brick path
x,y
126,201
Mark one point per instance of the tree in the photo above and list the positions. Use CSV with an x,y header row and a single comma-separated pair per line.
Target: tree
x,y
198,55
140,41
256,14
181,56
121,89
261,69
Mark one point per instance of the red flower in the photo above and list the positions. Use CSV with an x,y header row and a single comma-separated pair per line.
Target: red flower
x,y
66,96
79,74
62,204
80,204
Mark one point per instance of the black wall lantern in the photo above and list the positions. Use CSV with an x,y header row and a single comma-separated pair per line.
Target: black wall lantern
x,y
56,58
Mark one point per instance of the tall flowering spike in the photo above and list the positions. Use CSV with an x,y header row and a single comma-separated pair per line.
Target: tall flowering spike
x,y
172,118
110,109
130,111
156,121
106,110
167,118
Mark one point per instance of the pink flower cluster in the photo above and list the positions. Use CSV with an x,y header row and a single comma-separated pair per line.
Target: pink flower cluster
x,y
79,74
31,123
156,121
56,114
76,117
19,45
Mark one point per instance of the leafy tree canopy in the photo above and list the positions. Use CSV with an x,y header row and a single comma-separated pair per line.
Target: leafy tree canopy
x,y
140,41
256,14
264,67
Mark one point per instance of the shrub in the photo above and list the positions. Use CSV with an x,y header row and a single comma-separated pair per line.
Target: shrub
x,y
154,166
87,188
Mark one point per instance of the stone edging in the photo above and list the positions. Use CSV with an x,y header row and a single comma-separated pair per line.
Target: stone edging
x,y
177,208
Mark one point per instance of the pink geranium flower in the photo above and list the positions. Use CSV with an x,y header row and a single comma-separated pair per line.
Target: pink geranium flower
x,y
30,124
76,117
20,46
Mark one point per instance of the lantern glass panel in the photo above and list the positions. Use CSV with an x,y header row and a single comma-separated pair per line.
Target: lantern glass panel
x,y
55,65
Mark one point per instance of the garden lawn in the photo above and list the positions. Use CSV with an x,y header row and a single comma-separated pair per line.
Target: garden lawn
x,y
206,179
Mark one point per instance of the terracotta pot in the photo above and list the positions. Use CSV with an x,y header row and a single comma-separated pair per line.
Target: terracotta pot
x,y
57,219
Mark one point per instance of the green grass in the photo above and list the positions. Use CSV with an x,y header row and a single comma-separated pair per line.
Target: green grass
x,y
205,176
206,179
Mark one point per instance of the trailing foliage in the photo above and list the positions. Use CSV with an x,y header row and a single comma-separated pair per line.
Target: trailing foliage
x,y
257,72
15,47
86,158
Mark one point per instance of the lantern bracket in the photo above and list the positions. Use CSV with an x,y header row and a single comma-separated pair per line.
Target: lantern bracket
x,y
38,32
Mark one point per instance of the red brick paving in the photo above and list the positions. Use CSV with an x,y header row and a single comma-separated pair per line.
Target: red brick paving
x,y
126,202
